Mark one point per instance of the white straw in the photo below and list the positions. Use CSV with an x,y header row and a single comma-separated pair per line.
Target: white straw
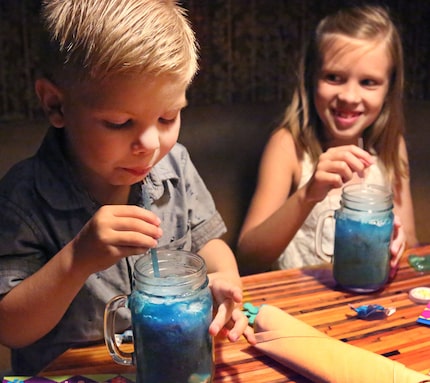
x,y
361,145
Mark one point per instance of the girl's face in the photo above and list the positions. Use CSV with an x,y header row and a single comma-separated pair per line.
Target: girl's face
x,y
118,130
351,87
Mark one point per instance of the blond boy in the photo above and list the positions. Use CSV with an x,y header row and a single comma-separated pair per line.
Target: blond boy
x,y
72,216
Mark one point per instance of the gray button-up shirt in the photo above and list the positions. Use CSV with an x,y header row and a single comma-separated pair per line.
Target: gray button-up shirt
x,y
43,207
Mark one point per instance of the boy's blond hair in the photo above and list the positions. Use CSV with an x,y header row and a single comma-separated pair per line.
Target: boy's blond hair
x,y
371,24
94,39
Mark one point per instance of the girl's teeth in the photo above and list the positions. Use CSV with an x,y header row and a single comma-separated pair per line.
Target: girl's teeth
x,y
346,115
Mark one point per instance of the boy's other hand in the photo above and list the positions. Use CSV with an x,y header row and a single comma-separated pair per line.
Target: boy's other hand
x,y
229,320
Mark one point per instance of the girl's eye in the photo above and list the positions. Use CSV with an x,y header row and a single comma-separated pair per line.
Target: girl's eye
x,y
369,83
332,77
117,126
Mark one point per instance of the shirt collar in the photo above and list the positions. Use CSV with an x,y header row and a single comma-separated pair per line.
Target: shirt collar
x,y
54,177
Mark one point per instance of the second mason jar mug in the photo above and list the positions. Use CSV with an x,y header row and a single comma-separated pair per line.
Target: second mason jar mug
x,y
363,230
171,310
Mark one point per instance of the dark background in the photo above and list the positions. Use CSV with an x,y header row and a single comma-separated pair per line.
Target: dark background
x,y
248,49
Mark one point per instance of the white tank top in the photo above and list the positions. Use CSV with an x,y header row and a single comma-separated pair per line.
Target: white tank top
x,y
301,250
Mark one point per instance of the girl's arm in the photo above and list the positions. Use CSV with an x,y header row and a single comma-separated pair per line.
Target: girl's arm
x,y
277,211
403,206
274,216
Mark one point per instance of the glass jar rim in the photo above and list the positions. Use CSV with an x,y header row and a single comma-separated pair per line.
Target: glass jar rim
x,y
179,270
370,195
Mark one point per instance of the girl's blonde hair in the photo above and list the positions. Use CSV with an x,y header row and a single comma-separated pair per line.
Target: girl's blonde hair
x,y
371,23
94,39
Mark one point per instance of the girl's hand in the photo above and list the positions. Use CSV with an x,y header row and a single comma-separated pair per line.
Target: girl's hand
x,y
114,232
398,245
335,167
229,320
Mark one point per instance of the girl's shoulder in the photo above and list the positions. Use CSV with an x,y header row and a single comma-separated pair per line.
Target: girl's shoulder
x,y
282,139
282,150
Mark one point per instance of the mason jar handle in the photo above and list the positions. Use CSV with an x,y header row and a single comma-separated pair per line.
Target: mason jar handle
x,y
118,356
318,234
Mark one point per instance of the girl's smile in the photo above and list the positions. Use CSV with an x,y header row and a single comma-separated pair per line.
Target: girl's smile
x,y
345,119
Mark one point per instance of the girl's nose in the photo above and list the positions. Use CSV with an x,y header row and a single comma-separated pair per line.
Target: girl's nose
x,y
349,93
147,141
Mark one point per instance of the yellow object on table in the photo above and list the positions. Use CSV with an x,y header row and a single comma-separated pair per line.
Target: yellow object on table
x,y
321,358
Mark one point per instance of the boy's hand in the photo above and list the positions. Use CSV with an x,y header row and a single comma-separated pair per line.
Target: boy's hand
x,y
114,232
229,320
336,167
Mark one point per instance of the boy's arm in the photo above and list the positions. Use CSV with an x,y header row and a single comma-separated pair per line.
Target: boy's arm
x,y
113,233
220,262
48,292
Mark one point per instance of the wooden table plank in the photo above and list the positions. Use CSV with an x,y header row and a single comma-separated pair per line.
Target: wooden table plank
x,y
310,295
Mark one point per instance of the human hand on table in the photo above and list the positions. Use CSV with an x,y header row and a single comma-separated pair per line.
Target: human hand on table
x,y
397,246
115,232
229,320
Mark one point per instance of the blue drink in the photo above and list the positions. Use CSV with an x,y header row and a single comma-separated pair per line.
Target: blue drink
x,y
364,224
362,255
172,341
171,310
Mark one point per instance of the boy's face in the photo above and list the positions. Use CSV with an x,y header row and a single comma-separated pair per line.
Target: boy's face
x,y
118,130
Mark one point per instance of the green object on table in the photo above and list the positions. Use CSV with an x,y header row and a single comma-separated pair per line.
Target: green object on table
x,y
250,311
420,262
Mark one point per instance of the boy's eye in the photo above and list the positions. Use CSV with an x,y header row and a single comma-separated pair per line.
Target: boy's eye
x,y
116,125
167,121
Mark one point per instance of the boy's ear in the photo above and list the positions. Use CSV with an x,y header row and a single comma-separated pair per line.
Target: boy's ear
x,y
51,99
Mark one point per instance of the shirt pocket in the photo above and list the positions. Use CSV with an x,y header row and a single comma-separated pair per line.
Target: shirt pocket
x,y
184,242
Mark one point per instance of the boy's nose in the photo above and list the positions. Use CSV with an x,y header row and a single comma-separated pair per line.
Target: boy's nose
x,y
147,141
349,93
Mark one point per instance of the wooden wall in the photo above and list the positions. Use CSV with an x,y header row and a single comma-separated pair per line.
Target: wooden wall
x,y
249,49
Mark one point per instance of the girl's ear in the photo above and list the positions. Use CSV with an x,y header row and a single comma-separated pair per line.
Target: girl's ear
x,y
51,99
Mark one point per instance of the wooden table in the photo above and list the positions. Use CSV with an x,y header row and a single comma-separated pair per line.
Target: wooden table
x,y
309,294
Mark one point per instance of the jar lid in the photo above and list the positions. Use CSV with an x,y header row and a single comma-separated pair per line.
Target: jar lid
x,y
420,295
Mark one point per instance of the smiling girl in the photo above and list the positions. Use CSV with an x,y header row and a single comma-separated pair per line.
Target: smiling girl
x,y
349,91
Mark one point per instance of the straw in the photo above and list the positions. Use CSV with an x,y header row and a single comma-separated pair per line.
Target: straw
x,y
154,258
361,145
